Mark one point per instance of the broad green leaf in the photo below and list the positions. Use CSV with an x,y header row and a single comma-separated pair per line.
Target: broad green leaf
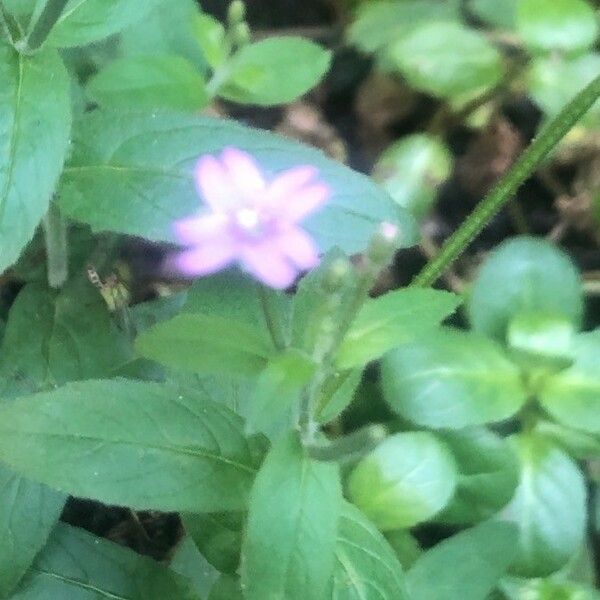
x,y
382,22
412,169
391,320
132,174
274,406
218,537
407,479
28,513
277,70
466,566
451,378
289,547
76,565
533,275
549,508
553,81
33,149
137,444
206,344
564,25
422,57
572,396
149,82
488,474
86,21
500,13
188,561
366,568
55,337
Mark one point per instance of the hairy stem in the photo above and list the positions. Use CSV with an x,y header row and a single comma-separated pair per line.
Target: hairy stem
x,y
55,233
272,316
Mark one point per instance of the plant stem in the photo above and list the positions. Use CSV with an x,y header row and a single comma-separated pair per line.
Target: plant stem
x,y
272,316
55,233
42,27
505,189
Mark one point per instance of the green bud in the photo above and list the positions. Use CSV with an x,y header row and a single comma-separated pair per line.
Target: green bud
x,y
240,34
236,13
383,243
337,275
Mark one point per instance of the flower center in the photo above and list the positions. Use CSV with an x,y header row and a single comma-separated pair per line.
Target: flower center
x,y
248,219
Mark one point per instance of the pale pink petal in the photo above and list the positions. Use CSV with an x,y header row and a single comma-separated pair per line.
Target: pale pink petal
x,y
268,265
244,172
300,248
213,183
303,202
205,259
290,181
195,230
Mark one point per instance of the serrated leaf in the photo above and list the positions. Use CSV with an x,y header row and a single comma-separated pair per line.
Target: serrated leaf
x,y
391,320
451,378
33,148
294,507
132,174
130,443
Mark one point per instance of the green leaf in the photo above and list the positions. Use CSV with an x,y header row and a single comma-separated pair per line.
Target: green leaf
x,y
277,70
227,587
466,566
28,513
86,21
77,565
553,81
549,508
547,589
188,561
488,474
211,37
137,444
451,378
572,396
336,394
412,169
366,567
533,276
33,149
206,344
581,446
405,546
149,82
289,547
422,57
393,319
132,173
564,25
379,23
55,337
501,13
407,479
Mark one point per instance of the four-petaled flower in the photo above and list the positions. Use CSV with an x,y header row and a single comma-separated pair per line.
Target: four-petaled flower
x,y
250,220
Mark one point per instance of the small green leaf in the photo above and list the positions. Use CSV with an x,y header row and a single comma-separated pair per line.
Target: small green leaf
x,y
564,25
366,567
336,394
488,474
136,444
466,566
572,396
533,276
422,57
549,508
33,149
391,320
412,169
500,14
188,561
289,548
405,546
206,344
451,378
149,82
277,70
133,173
580,445
407,479
78,565
210,35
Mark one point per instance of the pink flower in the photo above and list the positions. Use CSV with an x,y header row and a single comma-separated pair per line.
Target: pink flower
x,y
250,220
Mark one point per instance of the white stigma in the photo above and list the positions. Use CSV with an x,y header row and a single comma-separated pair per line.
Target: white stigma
x,y
248,219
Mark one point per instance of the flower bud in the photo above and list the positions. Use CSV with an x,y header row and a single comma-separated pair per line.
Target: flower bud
x,y
236,13
383,243
337,275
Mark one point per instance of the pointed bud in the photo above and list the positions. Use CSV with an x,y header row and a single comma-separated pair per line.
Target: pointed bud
x,y
236,13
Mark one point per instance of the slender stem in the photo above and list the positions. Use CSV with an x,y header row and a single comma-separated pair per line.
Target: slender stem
x,y
44,24
505,189
55,233
272,316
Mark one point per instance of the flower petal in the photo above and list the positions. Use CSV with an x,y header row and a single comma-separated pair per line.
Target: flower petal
x,y
196,230
303,202
268,265
288,182
205,259
299,247
245,174
213,183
